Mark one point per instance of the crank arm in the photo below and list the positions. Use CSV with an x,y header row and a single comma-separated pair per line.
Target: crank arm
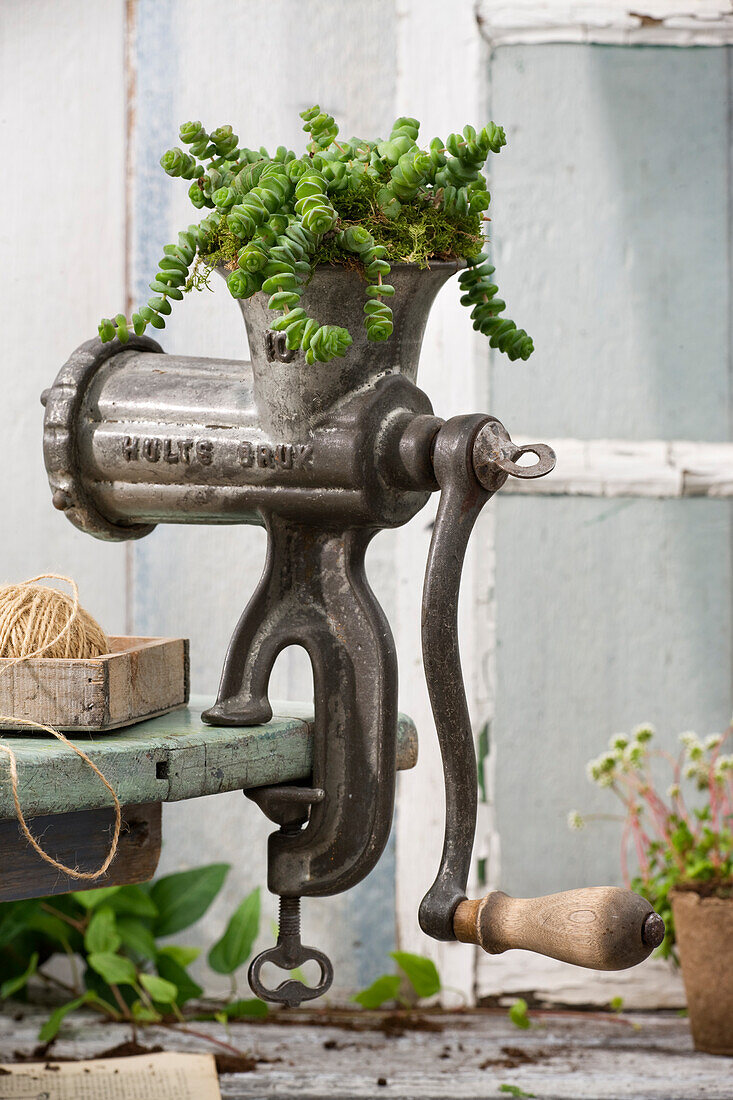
x,y
472,457
603,928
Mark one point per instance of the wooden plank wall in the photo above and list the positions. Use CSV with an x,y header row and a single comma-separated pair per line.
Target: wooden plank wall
x,y
256,65
611,205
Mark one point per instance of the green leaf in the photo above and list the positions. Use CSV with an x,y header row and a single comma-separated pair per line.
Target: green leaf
x,y
169,969
184,956
237,1010
616,1004
137,937
184,897
52,928
14,918
51,1027
518,1014
133,902
101,936
90,899
420,972
144,1013
13,985
514,1090
235,946
383,989
159,989
115,969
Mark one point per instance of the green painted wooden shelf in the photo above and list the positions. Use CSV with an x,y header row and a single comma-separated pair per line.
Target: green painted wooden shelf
x,y
168,759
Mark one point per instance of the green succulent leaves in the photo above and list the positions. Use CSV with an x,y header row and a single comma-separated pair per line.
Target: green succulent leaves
x,y
480,292
277,212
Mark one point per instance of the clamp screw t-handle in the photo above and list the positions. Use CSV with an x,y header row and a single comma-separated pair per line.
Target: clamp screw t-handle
x,y
288,807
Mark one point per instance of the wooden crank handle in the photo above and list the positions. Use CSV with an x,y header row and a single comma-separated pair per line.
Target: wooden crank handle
x,y
601,927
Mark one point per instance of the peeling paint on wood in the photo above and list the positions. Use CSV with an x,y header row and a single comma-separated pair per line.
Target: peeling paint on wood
x,y
171,758
647,23
656,983
619,467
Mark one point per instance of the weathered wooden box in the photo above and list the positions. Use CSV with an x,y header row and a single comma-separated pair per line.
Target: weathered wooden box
x,y
139,678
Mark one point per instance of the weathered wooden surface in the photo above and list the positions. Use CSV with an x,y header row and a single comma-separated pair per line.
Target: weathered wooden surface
x,y
565,1056
621,467
609,22
656,983
139,678
611,245
80,840
170,758
194,581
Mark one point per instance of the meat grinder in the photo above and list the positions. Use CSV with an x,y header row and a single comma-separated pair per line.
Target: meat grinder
x,y
324,456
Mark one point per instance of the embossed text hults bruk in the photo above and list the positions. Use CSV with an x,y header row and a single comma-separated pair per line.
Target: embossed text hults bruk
x,y
325,440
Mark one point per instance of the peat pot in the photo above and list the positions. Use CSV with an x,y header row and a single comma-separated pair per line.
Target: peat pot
x,y
704,930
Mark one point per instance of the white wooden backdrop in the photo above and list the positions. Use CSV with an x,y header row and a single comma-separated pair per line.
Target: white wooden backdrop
x,y
611,208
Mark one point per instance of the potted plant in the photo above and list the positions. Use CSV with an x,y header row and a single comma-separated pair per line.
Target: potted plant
x,y
683,844
282,229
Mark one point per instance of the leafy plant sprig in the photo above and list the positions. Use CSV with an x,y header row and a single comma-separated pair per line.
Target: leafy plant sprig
x,y
678,840
420,974
275,217
111,938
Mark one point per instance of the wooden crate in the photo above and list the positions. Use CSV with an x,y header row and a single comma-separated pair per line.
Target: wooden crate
x,y
140,678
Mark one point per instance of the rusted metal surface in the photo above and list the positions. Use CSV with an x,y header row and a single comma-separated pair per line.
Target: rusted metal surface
x,y
323,456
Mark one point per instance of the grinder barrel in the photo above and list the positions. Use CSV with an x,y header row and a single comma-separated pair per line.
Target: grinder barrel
x,y
134,437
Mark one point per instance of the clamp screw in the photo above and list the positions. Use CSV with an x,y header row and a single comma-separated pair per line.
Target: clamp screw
x,y
289,924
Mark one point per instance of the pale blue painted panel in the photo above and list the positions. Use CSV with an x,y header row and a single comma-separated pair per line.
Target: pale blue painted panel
x,y
611,206
609,613
611,239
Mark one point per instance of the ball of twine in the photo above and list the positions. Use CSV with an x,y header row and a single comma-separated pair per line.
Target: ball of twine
x,y
38,621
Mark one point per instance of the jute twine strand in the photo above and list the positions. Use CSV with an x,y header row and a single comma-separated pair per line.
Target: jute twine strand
x,y
38,621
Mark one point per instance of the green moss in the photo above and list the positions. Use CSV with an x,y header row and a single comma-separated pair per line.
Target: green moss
x,y
221,248
419,234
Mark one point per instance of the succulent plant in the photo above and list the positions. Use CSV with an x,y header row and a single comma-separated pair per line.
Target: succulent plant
x,y
273,218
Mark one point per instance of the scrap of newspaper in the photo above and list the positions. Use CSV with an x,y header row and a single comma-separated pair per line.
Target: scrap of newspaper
x,y
166,1076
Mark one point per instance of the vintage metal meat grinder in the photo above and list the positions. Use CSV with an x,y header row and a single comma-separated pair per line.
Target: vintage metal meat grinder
x,y
324,456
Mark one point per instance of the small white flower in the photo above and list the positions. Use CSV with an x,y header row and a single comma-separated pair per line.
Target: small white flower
x,y
634,756
575,820
673,791
618,741
644,732
602,770
713,740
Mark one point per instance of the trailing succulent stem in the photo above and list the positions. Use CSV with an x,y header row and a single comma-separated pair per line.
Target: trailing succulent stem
x,y
272,219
